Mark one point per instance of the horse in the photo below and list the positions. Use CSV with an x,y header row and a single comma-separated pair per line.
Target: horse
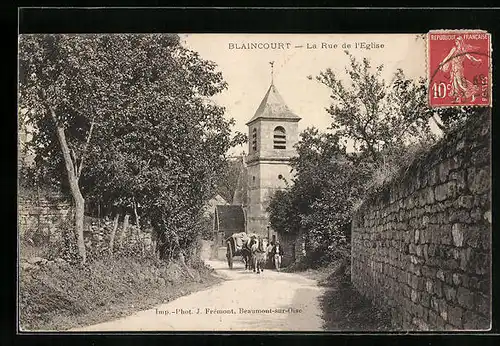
x,y
246,252
259,255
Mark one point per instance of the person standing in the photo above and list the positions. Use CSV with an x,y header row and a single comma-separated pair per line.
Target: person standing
x,y
277,253
270,258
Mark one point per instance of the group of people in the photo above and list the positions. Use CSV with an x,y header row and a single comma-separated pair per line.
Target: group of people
x,y
275,254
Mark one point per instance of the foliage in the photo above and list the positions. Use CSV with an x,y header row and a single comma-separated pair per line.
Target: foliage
x,y
377,116
327,184
228,180
388,123
158,141
283,214
207,225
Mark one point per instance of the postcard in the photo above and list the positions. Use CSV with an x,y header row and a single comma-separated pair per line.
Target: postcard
x,y
255,182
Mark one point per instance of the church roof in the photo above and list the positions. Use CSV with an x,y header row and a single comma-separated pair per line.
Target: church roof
x,y
273,107
230,219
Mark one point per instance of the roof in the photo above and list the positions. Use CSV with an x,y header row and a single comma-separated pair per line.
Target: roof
x,y
273,107
213,202
231,218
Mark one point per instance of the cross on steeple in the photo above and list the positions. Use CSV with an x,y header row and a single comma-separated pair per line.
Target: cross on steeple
x,y
272,72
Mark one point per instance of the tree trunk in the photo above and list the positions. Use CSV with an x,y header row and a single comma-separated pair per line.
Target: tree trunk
x,y
113,233
138,228
137,217
73,183
124,229
79,212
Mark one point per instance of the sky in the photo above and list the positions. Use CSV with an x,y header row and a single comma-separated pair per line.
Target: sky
x,y
248,72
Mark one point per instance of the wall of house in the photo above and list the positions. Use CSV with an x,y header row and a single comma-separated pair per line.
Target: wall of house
x,y
422,246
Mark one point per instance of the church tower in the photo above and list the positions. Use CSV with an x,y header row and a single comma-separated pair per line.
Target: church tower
x,y
272,134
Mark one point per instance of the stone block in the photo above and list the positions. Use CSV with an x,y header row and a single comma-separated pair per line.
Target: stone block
x,y
487,216
482,263
429,286
416,236
406,291
476,215
459,177
414,296
450,264
445,233
433,176
445,191
460,215
419,250
441,192
440,275
457,231
425,299
438,288
443,169
432,318
465,255
465,298
482,303
478,180
420,324
432,250
415,269
412,248
428,272
425,236
455,316
416,282
429,196
473,236
473,321
450,293
435,304
484,285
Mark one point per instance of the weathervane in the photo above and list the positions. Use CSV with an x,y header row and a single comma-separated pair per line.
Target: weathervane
x,y
272,72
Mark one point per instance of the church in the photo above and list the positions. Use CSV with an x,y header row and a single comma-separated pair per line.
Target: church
x,y
272,135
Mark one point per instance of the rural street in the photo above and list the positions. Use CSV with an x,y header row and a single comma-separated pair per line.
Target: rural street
x,y
280,302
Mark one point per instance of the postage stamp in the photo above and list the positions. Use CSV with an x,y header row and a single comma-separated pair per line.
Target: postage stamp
x,y
251,182
459,68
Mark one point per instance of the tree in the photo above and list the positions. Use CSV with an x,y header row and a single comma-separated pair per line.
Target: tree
x,y
327,184
64,83
228,181
375,115
283,212
137,108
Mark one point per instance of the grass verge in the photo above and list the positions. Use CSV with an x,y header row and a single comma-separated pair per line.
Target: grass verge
x,y
60,296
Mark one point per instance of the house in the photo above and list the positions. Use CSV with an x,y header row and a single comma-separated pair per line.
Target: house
x,y
228,219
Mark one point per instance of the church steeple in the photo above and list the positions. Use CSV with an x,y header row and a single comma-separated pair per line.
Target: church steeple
x,y
273,107
273,133
272,72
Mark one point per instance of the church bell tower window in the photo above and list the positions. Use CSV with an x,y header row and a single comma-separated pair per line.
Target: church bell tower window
x,y
279,138
254,139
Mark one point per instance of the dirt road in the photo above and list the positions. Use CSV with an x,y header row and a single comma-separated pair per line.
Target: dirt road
x,y
246,301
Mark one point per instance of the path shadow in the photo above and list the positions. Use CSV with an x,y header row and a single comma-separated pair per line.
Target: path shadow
x,y
345,309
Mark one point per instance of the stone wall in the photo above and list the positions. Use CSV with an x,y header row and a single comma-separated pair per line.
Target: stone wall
x,y
39,216
422,246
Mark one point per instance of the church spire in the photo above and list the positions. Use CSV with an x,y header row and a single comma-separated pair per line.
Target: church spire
x,y
272,72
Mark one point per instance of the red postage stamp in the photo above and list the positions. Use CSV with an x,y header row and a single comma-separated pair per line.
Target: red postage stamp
x,y
459,68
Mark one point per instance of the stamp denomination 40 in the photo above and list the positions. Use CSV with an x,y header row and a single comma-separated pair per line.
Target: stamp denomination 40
x,y
459,68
